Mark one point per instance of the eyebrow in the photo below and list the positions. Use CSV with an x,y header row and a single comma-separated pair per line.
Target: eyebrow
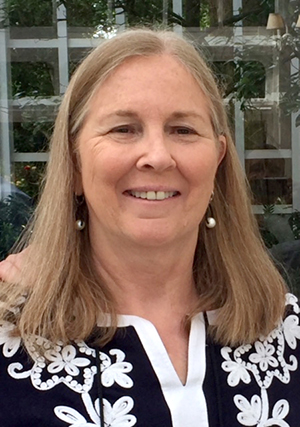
x,y
185,114
175,115
121,113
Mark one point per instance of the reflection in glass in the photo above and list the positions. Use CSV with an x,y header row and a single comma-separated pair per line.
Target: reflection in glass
x,y
270,180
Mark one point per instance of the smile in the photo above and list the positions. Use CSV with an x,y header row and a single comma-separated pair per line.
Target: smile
x,y
153,195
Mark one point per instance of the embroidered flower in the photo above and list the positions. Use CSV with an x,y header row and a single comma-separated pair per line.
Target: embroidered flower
x,y
250,411
264,355
10,343
237,371
115,415
291,330
116,372
65,360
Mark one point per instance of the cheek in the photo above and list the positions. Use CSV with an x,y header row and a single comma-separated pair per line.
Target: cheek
x,y
99,169
202,171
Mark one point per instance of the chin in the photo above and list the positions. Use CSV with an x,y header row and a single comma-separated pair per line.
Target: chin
x,y
154,236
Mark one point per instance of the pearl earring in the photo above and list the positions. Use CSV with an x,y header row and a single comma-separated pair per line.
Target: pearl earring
x,y
210,222
79,223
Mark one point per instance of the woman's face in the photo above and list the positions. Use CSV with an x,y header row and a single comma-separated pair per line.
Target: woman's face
x,y
148,154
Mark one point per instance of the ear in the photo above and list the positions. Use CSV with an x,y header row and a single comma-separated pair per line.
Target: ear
x,y
222,143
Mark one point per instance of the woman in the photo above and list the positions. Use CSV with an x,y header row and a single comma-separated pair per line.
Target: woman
x,y
150,310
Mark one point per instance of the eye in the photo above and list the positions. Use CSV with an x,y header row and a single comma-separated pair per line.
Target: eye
x,y
125,132
123,129
184,131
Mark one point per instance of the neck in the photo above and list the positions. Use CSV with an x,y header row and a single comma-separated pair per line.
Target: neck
x,y
149,282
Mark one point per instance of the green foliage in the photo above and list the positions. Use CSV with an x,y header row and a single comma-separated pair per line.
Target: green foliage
x,y
95,13
241,80
290,100
86,13
271,237
268,238
249,81
142,12
29,13
32,136
204,15
15,212
28,178
32,79
257,12
294,222
224,72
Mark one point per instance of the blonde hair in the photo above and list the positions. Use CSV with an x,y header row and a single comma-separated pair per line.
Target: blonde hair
x,y
65,295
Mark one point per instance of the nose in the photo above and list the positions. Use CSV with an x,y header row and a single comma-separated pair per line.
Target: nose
x,y
156,153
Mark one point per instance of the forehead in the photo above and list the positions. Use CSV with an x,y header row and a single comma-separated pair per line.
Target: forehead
x,y
139,80
152,68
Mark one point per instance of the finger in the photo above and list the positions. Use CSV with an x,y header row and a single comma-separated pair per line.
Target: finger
x,y
10,268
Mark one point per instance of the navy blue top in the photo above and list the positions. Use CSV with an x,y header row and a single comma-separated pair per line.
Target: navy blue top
x,y
251,385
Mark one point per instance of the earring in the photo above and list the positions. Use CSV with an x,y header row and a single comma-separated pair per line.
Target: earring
x,y
79,223
210,222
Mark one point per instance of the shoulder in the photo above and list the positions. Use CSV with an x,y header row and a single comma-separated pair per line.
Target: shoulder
x,y
264,358
260,381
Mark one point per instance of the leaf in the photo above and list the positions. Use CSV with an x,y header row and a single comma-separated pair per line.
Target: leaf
x,y
69,415
281,409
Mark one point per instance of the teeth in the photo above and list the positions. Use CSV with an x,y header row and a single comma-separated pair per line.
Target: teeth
x,y
153,195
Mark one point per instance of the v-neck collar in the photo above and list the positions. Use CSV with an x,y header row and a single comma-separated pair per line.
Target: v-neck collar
x,y
179,397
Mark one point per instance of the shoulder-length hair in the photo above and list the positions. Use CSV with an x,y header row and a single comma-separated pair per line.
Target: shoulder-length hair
x,y
65,297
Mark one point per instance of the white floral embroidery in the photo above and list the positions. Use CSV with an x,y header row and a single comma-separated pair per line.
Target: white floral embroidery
x,y
252,412
62,361
237,371
75,372
10,343
291,330
116,415
264,355
64,364
265,363
65,360
115,372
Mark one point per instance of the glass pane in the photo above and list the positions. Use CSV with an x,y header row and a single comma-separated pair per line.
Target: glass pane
x,y
266,128
32,136
27,178
24,13
270,180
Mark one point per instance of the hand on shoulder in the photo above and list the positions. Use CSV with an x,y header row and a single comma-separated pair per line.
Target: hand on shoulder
x,y
10,268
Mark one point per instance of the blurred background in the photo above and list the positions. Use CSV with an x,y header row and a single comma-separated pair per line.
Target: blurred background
x,y
253,47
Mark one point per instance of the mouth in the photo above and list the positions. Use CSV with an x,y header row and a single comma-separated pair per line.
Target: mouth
x,y
152,195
